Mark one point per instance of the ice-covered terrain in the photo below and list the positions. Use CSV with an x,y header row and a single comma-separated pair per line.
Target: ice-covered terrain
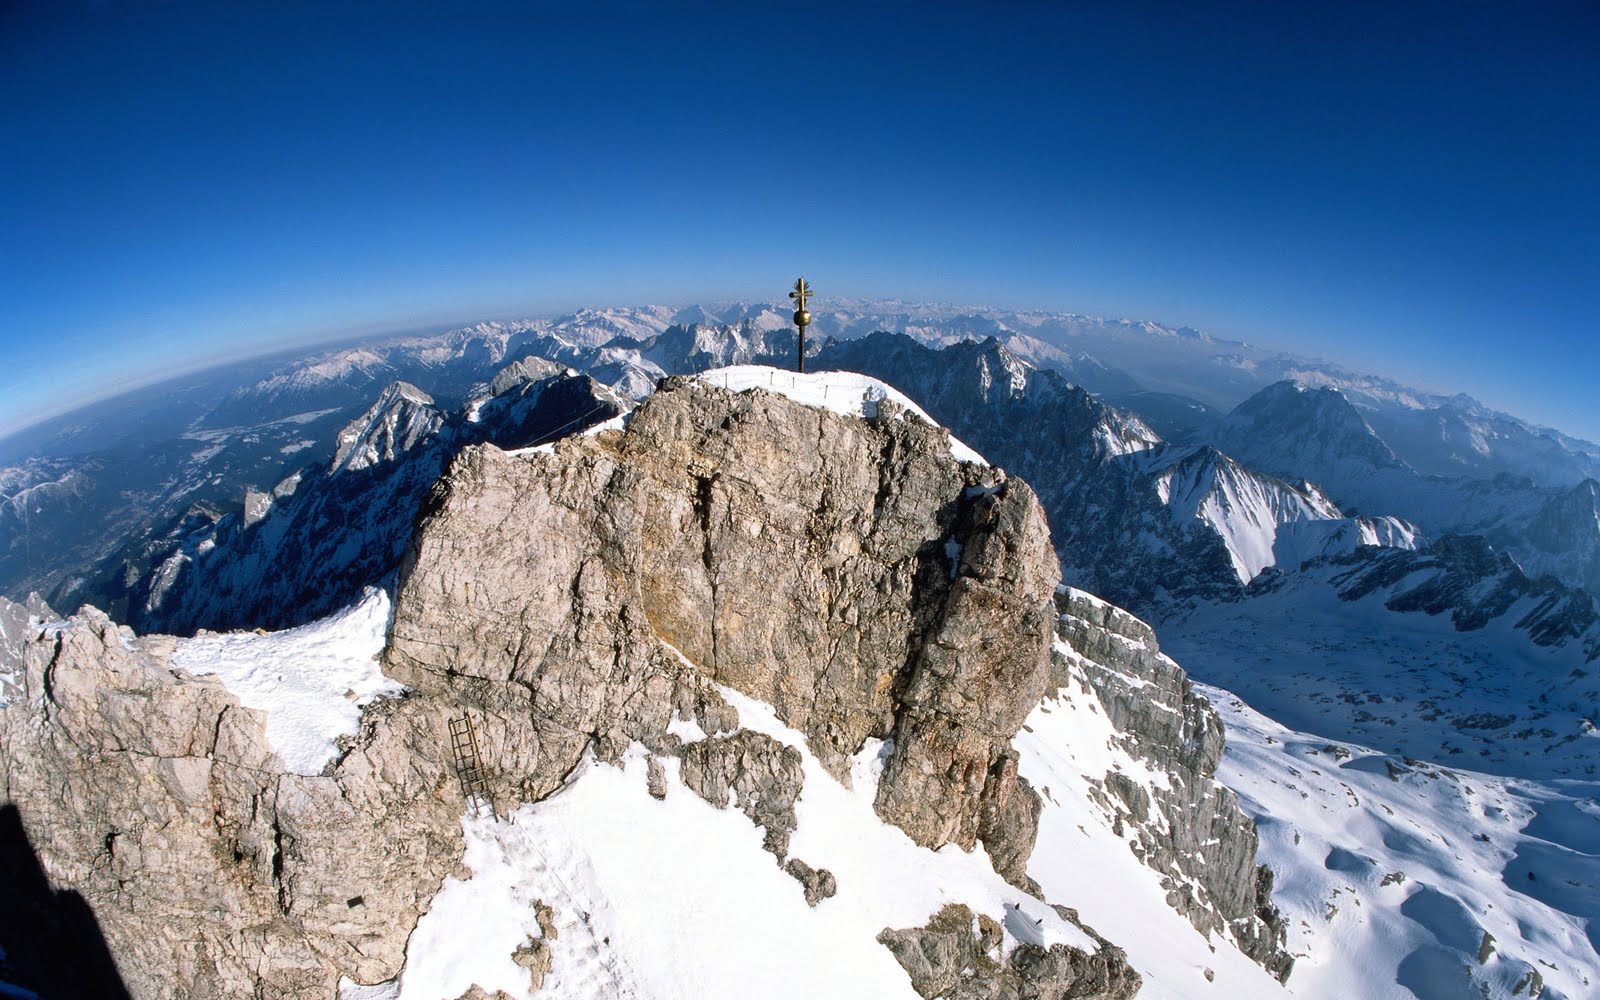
x,y
1318,659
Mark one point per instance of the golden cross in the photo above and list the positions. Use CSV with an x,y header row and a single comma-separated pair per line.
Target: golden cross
x,y
802,291
802,319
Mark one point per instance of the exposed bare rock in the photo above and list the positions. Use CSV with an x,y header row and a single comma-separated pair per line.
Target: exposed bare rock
x,y
818,883
752,771
1191,828
533,955
656,778
211,871
957,957
847,571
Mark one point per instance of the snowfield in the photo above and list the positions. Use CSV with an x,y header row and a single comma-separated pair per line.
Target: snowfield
x,y
677,899
1399,878
1402,878
312,681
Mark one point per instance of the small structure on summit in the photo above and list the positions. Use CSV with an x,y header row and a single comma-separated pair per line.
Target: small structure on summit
x,y
802,319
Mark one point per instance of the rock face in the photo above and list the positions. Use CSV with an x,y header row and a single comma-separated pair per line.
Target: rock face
x,y
622,587
848,572
1192,829
309,546
958,957
15,631
212,873
761,775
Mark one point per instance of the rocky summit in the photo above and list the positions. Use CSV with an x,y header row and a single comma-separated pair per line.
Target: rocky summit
x,y
648,593
793,555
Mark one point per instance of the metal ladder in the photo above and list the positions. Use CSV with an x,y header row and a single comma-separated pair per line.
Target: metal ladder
x,y
469,766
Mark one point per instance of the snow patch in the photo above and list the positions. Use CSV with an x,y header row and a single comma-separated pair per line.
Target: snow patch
x,y
847,393
312,681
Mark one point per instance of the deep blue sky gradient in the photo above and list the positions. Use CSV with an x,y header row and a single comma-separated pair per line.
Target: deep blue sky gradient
x,y
1409,188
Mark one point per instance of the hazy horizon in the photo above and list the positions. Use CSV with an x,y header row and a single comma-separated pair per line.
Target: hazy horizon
x,y
353,338
1406,191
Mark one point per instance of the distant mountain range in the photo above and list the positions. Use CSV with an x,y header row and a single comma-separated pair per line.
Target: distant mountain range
x,y
1413,578
1185,477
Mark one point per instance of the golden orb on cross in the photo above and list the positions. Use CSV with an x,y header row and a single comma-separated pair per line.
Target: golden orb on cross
x,y
802,319
802,291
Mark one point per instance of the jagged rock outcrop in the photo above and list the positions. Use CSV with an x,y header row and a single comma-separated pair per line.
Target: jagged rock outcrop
x,y
847,571
818,883
15,631
402,418
1190,827
797,556
213,873
958,956
310,545
753,771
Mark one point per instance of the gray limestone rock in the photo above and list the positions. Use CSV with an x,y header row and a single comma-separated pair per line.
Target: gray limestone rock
x,y
818,883
792,554
959,957
533,955
849,572
155,795
752,771
656,779
1192,829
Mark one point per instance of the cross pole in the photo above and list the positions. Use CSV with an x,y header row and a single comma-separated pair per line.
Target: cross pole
x,y
802,319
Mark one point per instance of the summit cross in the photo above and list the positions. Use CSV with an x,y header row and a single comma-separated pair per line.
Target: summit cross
x,y
802,319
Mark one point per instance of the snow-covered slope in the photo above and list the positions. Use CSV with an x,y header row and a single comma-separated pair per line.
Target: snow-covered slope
x,y
1245,510
1401,878
402,418
1449,654
597,870
312,681
1316,434
1398,878
1311,434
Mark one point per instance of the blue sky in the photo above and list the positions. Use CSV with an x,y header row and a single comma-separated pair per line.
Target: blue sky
x,y
1408,188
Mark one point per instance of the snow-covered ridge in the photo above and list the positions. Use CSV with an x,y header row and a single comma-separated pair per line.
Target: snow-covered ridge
x,y
847,393
312,681
616,865
402,416
1262,520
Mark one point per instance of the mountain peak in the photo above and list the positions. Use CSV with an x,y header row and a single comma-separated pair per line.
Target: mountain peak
x,y
402,416
1295,429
